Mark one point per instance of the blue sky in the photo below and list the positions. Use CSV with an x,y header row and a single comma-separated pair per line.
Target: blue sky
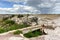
x,y
30,6
7,4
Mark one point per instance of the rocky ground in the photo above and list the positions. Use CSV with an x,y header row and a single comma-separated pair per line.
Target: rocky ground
x,y
10,36
7,36
52,34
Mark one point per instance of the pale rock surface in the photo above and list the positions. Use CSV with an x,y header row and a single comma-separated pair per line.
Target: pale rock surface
x,y
53,34
17,38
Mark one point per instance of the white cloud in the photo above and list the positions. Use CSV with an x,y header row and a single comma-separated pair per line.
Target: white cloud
x,y
45,5
17,6
8,10
17,1
53,0
28,8
18,9
56,9
34,6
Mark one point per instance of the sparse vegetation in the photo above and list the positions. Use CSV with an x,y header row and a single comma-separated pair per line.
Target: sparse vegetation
x,y
12,27
5,18
17,26
19,16
11,22
12,16
17,32
35,19
33,33
2,30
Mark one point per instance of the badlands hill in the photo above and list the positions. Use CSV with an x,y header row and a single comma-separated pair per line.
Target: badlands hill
x,y
37,15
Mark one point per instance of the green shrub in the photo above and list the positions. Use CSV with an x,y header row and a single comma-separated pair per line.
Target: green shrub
x,y
12,27
24,25
19,16
34,19
15,26
17,32
33,33
10,22
2,30
5,18
18,26
12,16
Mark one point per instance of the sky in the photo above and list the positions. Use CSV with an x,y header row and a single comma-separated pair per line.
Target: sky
x,y
29,6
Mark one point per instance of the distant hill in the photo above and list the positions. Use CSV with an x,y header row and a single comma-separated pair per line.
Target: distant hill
x,y
37,15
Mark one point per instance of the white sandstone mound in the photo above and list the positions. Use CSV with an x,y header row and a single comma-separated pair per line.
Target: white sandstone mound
x,y
52,37
57,21
53,34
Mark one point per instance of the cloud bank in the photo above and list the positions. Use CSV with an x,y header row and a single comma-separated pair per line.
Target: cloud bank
x,y
33,7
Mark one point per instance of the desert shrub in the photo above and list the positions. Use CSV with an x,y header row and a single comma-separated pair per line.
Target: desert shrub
x,y
2,30
16,26
34,19
12,27
17,32
5,18
12,16
11,22
24,25
33,33
19,16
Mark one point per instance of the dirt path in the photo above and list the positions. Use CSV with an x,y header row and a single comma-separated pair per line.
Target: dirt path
x,y
7,36
38,38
